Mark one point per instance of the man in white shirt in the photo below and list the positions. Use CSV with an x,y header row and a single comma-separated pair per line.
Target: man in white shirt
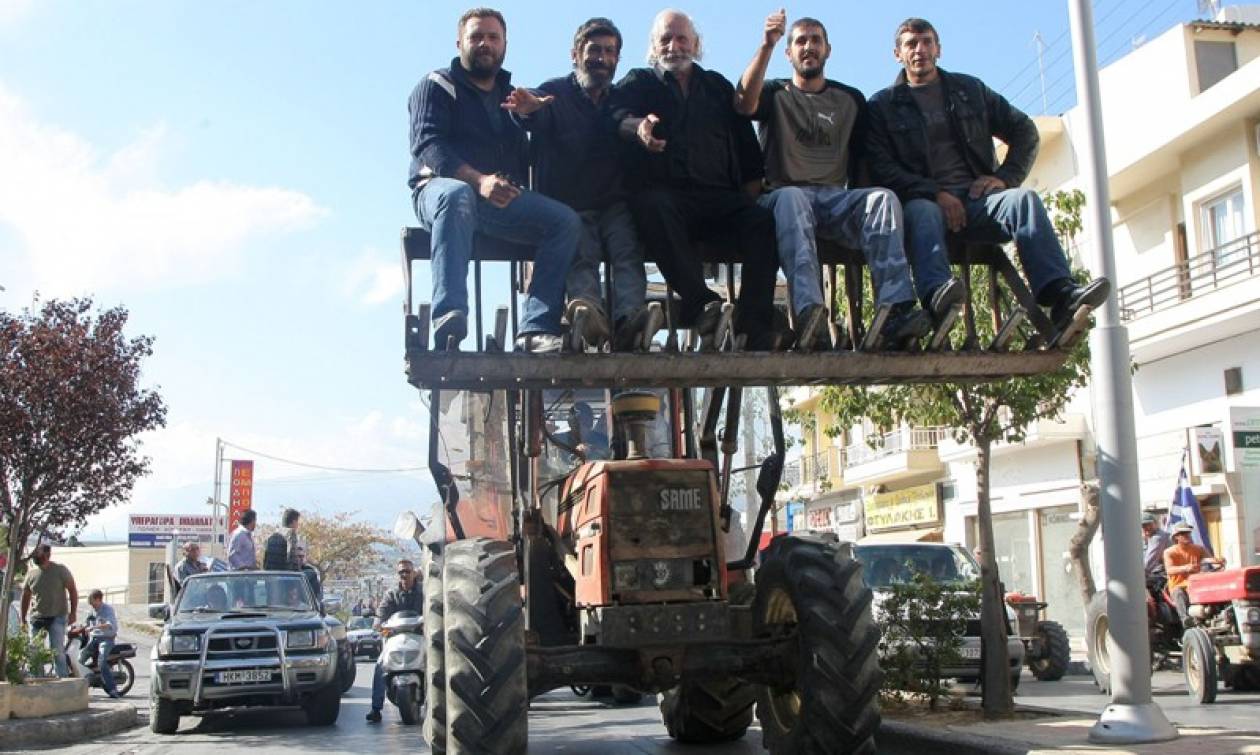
x,y
241,553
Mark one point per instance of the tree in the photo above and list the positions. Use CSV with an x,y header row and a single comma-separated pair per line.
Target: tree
x,y
1078,546
338,546
71,412
981,414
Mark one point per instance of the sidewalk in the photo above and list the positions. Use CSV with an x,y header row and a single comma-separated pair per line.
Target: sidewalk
x,y
103,716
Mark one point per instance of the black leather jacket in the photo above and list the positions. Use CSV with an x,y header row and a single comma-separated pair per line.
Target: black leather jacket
x,y
897,147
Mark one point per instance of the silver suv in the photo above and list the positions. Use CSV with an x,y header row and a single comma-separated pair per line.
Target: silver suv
x,y
245,638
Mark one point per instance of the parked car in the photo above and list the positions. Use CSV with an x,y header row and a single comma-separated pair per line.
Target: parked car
x,y
887,564
364,640
244,638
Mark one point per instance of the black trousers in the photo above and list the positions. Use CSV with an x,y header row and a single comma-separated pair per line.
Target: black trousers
x,y
670,221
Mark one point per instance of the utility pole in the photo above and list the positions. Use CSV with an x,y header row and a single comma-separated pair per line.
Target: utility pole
x,y
1132,716
1040,42
218,485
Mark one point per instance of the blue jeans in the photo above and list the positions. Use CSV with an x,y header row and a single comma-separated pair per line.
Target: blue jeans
x,y
609,231
869,219
378,687
56,628
104,646
1011,215
451,211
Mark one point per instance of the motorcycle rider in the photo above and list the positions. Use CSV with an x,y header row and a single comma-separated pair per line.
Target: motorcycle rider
x,y
103,634
407,596
1181,560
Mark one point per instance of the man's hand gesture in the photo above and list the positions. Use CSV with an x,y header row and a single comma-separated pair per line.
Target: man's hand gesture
x,y
955,212
776,27
524,102
985,185
644,132
497,190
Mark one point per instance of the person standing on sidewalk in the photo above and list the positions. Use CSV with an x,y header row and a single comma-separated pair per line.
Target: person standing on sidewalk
x,y
241,552
407,596
56,602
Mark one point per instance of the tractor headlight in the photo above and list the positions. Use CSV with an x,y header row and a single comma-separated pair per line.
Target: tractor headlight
x,y
626,576
178,644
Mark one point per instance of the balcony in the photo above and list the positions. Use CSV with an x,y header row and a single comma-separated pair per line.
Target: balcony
x,y
1194,301
812,475
907,452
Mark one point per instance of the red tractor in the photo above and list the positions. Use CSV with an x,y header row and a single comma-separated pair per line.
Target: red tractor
x,y
1224,643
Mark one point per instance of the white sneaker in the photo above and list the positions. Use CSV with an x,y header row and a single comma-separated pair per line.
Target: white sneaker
x,y
540,343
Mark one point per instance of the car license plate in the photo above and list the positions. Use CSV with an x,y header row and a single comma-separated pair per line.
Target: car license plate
x,y
243,677
970,653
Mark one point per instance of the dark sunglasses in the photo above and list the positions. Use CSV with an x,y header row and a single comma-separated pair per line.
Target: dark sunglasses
x,y
403,572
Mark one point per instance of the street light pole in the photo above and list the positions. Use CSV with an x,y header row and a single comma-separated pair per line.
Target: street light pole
x,y
1132,716
218,484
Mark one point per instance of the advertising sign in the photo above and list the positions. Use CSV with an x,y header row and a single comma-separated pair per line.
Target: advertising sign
x,y
1209,449
242,492
156,530
819,520
912,507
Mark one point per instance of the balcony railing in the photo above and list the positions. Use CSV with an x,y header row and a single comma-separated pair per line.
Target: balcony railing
x,y
813,469
1227,264
895,442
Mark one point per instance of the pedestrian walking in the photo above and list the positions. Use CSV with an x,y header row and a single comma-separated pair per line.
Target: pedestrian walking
x,y
50,587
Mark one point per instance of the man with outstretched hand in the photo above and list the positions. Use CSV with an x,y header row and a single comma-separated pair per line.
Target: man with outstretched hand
x,y
468,167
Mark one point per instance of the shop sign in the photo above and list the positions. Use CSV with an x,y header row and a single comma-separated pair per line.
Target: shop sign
x,y
819,519
847,511
156,530
911,507
1245,427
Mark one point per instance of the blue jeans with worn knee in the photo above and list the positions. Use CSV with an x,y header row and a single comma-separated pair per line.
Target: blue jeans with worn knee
x,y
451,211
869,219
1010,215
609,233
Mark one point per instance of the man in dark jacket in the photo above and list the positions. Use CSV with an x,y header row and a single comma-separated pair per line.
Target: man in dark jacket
x,y
468,167
578,161
696,170
931,141
280,550
407,596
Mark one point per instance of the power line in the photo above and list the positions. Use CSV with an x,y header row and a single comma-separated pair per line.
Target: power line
x,y
324,467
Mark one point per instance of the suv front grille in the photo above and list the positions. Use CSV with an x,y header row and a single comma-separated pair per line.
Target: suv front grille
x,y
244,644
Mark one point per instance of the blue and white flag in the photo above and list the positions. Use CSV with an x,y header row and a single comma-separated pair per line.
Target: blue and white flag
x,y
1185,508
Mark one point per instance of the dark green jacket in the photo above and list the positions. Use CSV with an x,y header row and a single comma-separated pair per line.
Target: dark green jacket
x,y
897,143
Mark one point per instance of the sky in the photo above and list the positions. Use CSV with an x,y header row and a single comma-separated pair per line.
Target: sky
x,y
233,173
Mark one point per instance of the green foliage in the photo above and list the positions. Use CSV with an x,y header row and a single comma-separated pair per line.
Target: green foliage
x,y
1065,213
922,623
26,657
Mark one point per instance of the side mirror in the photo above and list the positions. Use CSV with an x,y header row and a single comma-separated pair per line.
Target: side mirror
x,y
160,611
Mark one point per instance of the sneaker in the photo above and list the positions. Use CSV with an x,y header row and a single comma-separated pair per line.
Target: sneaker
x,y
594,322
1073,297
113,694
452,325
540,343
374,716
905,323
944,298
809,323
646,320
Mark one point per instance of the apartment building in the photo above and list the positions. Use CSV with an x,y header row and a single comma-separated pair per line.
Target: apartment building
x,y
1182,121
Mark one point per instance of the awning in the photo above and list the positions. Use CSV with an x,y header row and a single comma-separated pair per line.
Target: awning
x,y
924,535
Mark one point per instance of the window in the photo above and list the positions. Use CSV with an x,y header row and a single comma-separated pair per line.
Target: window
x,y
1223,227
1214,61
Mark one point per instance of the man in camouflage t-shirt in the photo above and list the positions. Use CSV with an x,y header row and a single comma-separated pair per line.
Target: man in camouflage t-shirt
x,y
812,133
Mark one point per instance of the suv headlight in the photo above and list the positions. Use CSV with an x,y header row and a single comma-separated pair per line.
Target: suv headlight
x,y
301,639
177,644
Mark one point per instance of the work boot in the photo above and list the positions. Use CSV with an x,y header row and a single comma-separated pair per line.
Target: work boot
x,y
811,322
374,716
905,324
540,343
449,330
1072,297
634,331
709,319
594,322
944,298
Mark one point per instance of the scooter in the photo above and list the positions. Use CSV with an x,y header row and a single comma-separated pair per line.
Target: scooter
x,y
402,663
77,638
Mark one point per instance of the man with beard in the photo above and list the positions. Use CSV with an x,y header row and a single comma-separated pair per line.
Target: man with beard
x,y
931,141
697,169
579,163
468,162
812,132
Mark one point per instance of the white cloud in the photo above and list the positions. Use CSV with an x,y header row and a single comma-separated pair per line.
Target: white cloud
x,y
90,221
373,277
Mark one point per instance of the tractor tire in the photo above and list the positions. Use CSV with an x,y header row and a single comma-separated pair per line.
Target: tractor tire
x,y
1199,661
434,727
409,704
487,697
1097,630
810,587
1051,666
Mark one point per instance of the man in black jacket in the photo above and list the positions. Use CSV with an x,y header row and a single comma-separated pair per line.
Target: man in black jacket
x,y
407,596
931,141
468,165
695,173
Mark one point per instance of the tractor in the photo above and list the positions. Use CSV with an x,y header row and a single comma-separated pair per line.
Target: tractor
x,y
1224,641
1047,649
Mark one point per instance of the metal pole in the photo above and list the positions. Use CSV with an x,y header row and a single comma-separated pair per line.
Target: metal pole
x,y
1132,717
218,483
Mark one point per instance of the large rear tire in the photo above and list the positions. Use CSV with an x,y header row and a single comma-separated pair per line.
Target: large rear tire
x,y
1097,630
1056,649
708,712
810,587
487,696
434,729
1199,660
